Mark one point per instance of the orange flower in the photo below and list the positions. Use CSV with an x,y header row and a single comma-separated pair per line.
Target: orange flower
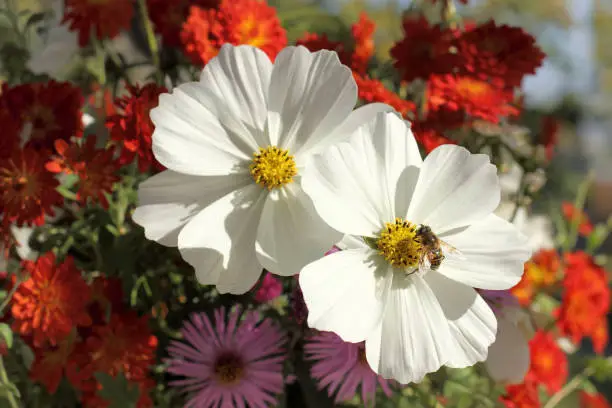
x,y
124,345
573,214
168,16
133,128
478,99
95,167
363,31
252,22
548,362
105,18
502,54
541,271
44,112
236,22
27,189
372,90
523,395
51,301
593,401
424,50
430,139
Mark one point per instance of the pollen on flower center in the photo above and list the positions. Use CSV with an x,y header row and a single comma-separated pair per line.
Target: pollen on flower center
x,y
229,369
273,167
399,245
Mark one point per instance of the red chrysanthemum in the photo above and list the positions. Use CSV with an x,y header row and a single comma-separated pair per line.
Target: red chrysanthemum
x,y
363,49
316,42
523,395
96,168
51,301
499,53
593,400
123,345
133,128
45,111
424,50
201,35
168,17
27,189
429,138
542,270
478,99
51,363
252,22
574,214
549,135
372,90
11,129
548,362
103,18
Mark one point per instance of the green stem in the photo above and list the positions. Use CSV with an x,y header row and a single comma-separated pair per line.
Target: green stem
x,y
579,203
9,296
568,388
146,22
10,397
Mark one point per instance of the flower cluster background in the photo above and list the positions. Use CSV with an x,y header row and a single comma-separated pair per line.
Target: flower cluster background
x,y
94,314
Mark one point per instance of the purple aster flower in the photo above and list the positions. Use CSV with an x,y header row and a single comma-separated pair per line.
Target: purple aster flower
x,y
342,367
270,289
229,363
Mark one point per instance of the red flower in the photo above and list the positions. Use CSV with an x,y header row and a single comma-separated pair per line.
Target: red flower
x,y
523,395
236,22
133,128
316,42
593,401
499,53
363,50
550,129
124,345
429,138
476,98
95,167
168,16
27,189
541,271
105,19
573,214
424,50
44,112
372,90
51,301
11,129
548,362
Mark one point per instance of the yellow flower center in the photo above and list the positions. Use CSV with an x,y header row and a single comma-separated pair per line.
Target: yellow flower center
x,y
399,245
273,167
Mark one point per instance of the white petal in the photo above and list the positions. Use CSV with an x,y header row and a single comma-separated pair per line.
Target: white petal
x,y
493,253
240,77
291,234
219,242
168,200
414,338
455,189
190,139
508,359
357,118
472,322
311,94
345,293
351,242
353,184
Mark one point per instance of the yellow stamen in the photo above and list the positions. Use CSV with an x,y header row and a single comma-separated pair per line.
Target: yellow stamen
x,y
399,245
273,167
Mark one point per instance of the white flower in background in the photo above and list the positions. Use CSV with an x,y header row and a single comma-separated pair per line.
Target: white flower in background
x,y
22,247
413,317
235,144
508,359
53,52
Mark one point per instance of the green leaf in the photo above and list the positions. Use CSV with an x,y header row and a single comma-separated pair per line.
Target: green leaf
x,y
597,237
117,391
7,334
601,368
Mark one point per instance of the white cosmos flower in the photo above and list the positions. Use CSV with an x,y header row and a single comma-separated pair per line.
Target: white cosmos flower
x,y
508,359
235,144
413,321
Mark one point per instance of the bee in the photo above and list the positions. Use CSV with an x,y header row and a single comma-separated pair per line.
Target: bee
x,y
431,255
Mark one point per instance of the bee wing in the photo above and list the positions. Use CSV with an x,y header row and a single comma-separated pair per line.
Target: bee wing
x,y
424,264
451,249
